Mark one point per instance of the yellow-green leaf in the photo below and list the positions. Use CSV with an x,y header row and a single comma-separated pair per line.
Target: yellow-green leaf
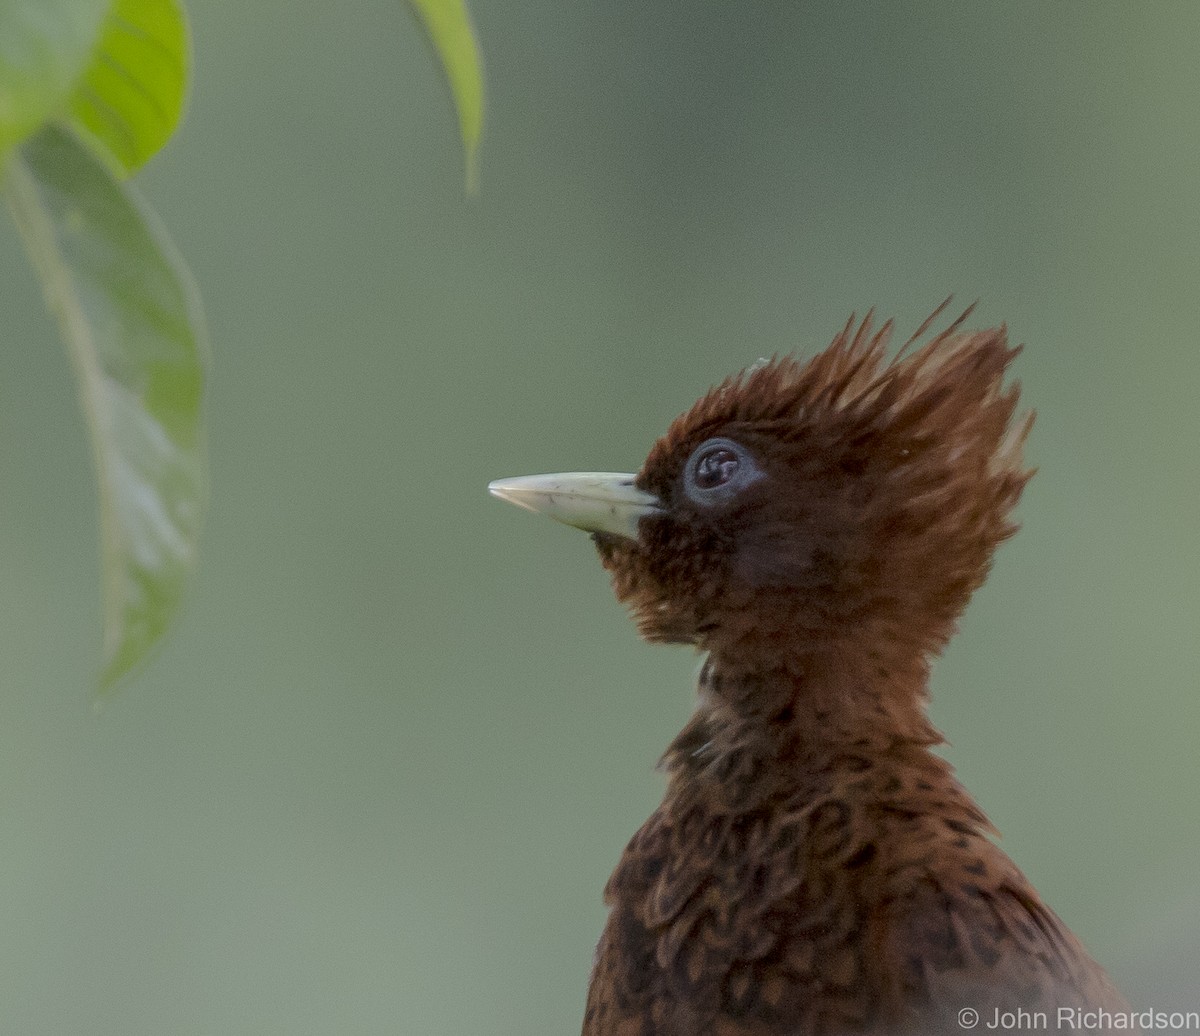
x,y
130,96
449,27
43,46
132,326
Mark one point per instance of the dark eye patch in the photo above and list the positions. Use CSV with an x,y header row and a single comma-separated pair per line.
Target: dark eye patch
x,y
715,466
717,471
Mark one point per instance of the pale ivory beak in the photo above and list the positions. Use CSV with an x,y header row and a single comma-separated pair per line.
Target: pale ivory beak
x,y
594,501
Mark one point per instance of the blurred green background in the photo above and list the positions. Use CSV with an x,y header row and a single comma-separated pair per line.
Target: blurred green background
x,y
378,776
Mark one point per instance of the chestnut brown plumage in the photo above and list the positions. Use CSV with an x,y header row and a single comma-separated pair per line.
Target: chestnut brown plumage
x,y
816,528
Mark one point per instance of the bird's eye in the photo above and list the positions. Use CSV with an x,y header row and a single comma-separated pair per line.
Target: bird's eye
x,y
715,466
718,470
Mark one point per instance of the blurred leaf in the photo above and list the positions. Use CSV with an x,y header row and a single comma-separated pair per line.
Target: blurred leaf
x,y
130,97
44,44
131,322
449,27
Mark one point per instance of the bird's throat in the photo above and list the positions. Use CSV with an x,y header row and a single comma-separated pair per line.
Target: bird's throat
x,y
757,734
824,699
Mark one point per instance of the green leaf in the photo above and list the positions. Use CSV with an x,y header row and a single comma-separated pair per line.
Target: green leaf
x,y
449,28
130,97
131,322
44,45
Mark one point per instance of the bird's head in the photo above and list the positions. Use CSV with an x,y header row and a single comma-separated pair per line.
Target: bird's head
x,y
815,508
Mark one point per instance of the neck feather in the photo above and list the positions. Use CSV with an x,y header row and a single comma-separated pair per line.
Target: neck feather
x,y
761,733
